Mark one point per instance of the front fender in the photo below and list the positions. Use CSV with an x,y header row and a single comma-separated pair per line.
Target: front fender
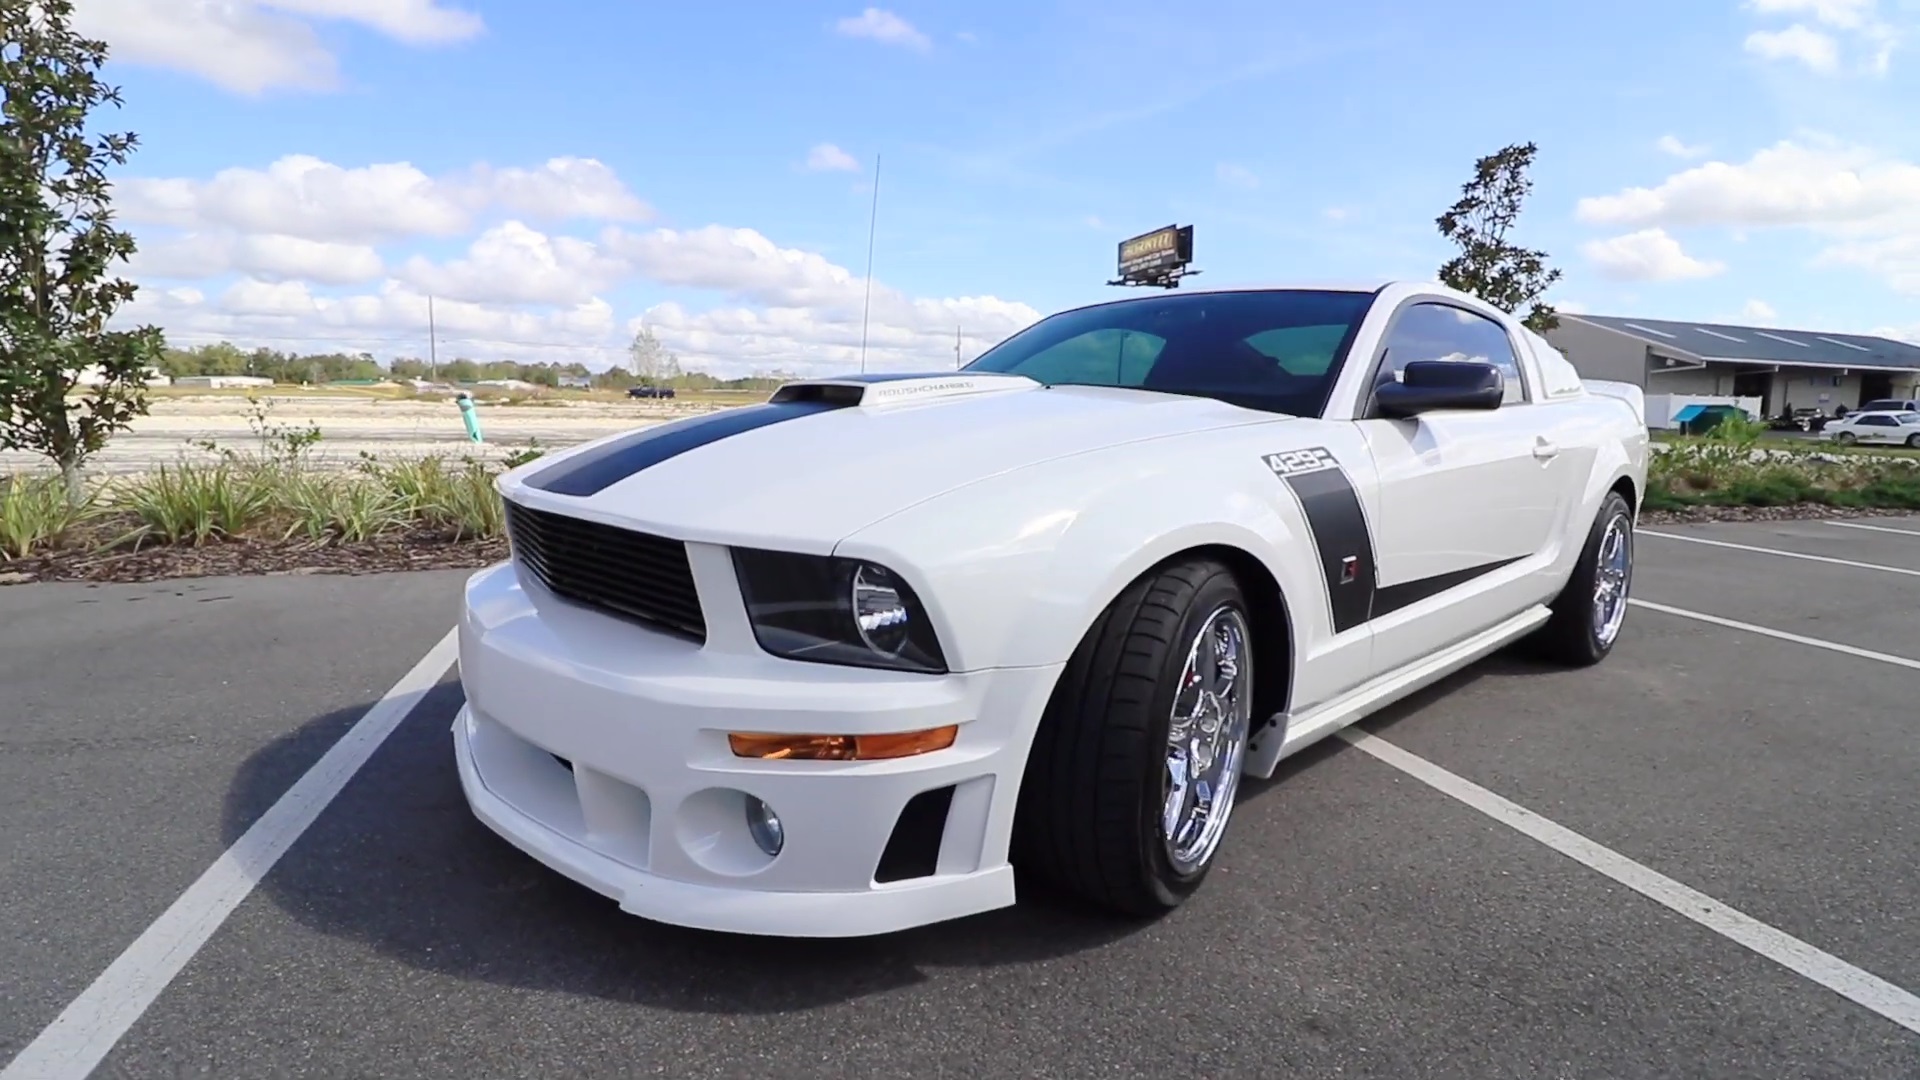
x,y
1014,570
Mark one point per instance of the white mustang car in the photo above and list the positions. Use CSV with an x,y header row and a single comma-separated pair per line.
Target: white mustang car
x,y
835,664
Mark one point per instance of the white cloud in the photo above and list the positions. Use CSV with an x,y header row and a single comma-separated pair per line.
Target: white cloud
x,y
1864,206
562,188
1894,259
1647,255
885,27
1847,14
250,46
827,157
1787,184
416,22
517,292
273,256
300,195
1669,144
1857,26
514,264
391,322
1759,311
741,341
1238,176
1811,47
1335,213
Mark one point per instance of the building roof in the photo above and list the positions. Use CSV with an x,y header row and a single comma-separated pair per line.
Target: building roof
x,y
1763,345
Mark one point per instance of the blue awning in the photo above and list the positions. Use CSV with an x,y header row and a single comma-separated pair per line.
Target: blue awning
x,y
1691,412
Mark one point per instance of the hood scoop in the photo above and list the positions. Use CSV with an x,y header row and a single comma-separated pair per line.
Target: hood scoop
x,y
872,391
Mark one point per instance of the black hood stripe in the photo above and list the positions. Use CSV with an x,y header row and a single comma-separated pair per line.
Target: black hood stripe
x,y
600,469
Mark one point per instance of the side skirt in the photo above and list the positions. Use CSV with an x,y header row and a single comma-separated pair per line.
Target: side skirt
x,y
1288,734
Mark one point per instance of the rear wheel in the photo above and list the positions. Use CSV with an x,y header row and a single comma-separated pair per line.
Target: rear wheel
x,y
1136,766
1590,610
1914,441
1844,438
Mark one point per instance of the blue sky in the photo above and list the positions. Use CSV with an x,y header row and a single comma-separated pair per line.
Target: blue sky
x,y
1018,144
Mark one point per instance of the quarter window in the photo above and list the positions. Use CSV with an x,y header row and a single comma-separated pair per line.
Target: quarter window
x,y
1444,332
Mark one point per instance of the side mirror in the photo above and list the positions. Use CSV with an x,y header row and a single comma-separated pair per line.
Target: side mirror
x,y
1427,385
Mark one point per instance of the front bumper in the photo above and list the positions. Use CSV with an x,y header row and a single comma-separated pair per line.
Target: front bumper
x,y
599,748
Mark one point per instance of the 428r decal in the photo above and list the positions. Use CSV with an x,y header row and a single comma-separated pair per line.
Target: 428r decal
x,y
1294,462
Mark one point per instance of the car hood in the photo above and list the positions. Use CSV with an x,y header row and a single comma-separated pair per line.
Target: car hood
x,y
826,458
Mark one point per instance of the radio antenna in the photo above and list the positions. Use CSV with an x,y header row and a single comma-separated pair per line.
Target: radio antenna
x,y
866,305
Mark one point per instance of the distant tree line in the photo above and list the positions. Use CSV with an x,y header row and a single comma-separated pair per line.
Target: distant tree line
x,y
225,358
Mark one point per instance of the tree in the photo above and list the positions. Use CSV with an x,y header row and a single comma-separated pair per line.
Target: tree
x,y
652,362
1489,266
57,243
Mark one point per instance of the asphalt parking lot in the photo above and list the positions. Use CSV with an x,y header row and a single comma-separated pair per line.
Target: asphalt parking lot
x,y
1363,923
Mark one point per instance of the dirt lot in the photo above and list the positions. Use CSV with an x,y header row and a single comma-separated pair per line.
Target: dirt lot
x,y
350,424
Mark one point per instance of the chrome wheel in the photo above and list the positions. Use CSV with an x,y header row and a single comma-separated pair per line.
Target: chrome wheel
x,y
1612,576
1207,739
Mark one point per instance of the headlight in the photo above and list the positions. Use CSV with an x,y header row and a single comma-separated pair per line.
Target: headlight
x,y
835,611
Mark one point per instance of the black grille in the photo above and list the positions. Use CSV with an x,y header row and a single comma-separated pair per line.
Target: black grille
x,y
631,574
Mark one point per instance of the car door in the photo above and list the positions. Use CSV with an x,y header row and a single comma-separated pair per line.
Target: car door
x,y
1469,499
1873,429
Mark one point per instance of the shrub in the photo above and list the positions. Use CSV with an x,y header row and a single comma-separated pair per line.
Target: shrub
x,y
194,503
36,514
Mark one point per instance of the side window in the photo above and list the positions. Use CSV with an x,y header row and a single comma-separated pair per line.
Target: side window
x,y
1301,350
1877,421
1444,332
1108,357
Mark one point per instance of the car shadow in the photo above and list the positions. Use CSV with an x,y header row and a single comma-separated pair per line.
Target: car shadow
x,y
397,864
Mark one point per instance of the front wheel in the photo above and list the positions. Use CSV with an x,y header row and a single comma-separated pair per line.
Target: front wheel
x,y
1137,762
1844,438
1590,610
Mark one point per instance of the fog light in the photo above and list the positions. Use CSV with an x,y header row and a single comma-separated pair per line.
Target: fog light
x,y
764,824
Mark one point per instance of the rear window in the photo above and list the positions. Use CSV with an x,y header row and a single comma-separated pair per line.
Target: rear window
x,y
1275,350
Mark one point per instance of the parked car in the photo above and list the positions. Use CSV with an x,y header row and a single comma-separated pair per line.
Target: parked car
x,y
832,665
1891,405
1883,428
649,391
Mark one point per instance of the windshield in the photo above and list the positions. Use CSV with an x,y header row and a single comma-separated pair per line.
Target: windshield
x,y
1275,350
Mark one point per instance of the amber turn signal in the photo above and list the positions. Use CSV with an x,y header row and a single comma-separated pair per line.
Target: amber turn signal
x,y
842,747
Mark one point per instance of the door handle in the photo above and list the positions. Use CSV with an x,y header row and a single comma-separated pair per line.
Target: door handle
x,y
1544,450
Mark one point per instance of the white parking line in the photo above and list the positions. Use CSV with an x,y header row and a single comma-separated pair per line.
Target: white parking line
x,y
1875,528
1782,554
1798,639
1861,987
82,1035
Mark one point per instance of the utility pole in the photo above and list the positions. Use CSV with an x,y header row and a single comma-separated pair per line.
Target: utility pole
x,y
867,305
433,349
956,347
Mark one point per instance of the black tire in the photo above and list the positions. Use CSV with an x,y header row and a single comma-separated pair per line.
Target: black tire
x,y
1844,438
1914,441
1569,637
1088,816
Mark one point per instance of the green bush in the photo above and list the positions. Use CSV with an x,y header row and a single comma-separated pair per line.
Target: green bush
x,y
1730,466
